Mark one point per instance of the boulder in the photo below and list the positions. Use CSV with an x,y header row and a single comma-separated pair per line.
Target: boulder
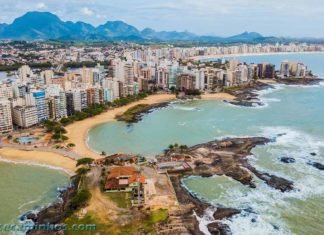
x,y
288,160
225,213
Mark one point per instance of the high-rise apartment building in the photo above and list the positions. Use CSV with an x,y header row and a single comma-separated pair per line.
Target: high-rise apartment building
x,y
5,117
25,116
40,103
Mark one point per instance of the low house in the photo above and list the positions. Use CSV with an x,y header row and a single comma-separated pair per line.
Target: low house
x,y
123,179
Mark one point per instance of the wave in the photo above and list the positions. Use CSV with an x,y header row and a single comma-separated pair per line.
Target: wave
x,y
32,163
263,207
186,108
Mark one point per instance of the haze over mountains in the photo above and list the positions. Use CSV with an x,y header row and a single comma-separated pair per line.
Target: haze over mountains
x,y
45,25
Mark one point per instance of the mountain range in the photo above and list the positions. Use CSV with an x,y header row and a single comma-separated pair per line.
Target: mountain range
x,y
45,26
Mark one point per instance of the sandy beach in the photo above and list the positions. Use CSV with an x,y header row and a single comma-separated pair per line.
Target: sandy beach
x,y
217,96
78,131
39,158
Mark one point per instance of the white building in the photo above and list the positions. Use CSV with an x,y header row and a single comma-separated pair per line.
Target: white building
x,y
79,100
5,117
25,116
24,73
6,91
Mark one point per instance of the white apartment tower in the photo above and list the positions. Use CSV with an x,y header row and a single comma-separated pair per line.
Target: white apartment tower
x,y
5,117
25,116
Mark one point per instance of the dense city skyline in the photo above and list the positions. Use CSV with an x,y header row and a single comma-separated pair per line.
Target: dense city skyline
x,y
204,17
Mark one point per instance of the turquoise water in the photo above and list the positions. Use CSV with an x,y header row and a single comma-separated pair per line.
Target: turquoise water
x,y
297,112
26,139
25,188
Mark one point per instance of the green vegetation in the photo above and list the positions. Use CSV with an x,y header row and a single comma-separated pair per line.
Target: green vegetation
x,y
176,148
79,200
194,92
71,145
16,66
86,220
89,64
146,225
56,129
97,109
84,161
82,171
131,114
122,199
231,90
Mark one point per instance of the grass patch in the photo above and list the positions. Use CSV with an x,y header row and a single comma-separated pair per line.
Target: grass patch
x,y
122,200
88,220
231,89
145,225
131,113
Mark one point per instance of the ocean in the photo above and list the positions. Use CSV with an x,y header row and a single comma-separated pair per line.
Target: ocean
x,y
26,188
296,112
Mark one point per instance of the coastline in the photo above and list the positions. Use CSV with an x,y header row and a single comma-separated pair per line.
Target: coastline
x,y
251,54
78,131
38,158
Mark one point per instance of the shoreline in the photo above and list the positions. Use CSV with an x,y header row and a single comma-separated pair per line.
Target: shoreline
x,y
208,57
38,158
78,132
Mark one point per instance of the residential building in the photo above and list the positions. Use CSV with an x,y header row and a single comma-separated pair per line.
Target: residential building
x,y
123,179
40,103
25,116
5,117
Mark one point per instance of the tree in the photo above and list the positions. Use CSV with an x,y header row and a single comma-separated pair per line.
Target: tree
x,y
82,171
84,161
71,145
103,153
80,199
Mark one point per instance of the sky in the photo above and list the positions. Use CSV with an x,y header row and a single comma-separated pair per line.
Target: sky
x,y
289,18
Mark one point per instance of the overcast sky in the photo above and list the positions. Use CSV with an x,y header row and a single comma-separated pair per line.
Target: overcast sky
x,y
209,17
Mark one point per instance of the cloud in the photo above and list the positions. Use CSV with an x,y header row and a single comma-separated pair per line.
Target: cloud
x,y
87,11
41,5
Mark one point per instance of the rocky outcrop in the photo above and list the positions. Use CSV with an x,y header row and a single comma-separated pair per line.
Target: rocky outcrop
x,y
229,157
247,95
221,157
225,213
217,228
56,212
136,113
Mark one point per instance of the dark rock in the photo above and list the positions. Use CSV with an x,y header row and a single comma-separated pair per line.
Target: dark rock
x,y
275,227
253,220
317,165
217,228
313,154
288,160
225,213
31,216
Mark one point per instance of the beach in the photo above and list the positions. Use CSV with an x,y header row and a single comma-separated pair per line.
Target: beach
x,y
78,131
217,96
41,158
